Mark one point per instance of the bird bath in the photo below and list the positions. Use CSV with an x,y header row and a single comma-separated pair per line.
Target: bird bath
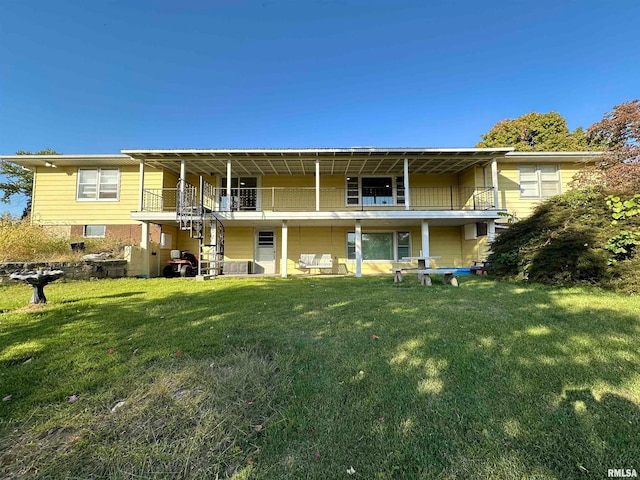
x,y
38,280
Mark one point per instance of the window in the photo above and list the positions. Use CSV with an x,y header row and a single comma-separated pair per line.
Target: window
x,y
380,245
98,184
369,191
95,231
404,247
474,230
243,193
539,181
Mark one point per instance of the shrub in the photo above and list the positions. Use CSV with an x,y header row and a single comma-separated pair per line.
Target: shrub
x,y
578,237
24,242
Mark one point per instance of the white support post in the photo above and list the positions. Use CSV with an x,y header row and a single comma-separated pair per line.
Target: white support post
x,y
494,181
181,182
491,230
228,186
317,185
407,201
183,171
141,200
144,247
425,242
358,248
285,249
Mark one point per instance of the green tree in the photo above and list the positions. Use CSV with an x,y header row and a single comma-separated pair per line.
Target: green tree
x,y
17,180
619,167
537,132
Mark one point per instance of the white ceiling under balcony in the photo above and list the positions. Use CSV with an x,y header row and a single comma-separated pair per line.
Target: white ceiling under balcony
x,y
332,161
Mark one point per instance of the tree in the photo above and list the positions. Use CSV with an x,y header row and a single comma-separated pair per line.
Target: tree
x,y
619,167
18,180
537,132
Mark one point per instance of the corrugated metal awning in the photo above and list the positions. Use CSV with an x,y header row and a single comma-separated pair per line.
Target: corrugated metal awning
x,y
332,161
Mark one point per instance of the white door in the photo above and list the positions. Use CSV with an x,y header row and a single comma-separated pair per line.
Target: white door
x,y
265,252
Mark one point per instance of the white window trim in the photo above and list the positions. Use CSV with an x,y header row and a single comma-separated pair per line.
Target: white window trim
x,y
84,231
539,181
78,199
395,246
394,188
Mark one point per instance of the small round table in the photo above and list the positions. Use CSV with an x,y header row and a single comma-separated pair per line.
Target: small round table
x,y
38,280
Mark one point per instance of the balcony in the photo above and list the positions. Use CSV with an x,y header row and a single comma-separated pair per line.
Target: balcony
x,y
280,199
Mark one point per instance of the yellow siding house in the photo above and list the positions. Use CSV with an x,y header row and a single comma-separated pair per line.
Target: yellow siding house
x,y
354,210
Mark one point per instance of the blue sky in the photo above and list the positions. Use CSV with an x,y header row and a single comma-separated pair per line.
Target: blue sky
x,y
97,77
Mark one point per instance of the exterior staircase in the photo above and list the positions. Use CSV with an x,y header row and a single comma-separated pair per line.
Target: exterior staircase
x,y
195,214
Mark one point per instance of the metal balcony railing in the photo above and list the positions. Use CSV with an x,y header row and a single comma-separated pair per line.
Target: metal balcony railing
x,y
331,199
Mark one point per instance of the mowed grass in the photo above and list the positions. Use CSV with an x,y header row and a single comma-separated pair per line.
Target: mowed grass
x,y
273,378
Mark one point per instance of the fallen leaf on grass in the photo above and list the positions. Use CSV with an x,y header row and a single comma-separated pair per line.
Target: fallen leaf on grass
x,y
257,428
178,353
7,398
316,455
381,419
110,351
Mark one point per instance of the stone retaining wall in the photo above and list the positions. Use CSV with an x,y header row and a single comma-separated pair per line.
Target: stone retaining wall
x,y
82,270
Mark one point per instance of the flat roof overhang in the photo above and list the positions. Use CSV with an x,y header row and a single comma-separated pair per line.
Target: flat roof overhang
x,y
332,161
301,161
53,161
369,219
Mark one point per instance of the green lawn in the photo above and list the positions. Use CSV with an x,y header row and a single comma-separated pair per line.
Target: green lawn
x,y
306,378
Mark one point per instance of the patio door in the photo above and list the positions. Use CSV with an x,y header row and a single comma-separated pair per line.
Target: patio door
x,y
265,256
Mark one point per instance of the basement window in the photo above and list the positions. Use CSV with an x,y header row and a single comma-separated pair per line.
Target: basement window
x,y
95,231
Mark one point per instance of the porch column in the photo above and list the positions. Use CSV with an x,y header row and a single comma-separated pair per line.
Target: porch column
x,y
407,201
494,181
228,187
491,230
317,185
358,248
285,249
183,171
141,200
425,242
144,247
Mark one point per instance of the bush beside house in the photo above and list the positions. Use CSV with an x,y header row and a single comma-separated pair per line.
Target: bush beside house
x,y
583,236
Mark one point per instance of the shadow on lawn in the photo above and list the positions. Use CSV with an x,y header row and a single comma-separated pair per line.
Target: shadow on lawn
x,y
487,380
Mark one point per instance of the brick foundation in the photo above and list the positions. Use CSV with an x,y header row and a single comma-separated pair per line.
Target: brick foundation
x,y
130,234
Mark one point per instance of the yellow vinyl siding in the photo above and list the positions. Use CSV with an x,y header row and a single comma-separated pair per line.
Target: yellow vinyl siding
x,y
165,253
185,242
169,179
473,249
468,178
55,200
509,187
238,244
445,242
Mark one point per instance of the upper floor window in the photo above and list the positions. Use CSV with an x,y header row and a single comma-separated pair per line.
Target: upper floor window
x,y
98,183
539,181
375,191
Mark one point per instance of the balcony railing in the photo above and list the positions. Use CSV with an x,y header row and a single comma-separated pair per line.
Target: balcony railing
x,y
331,199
